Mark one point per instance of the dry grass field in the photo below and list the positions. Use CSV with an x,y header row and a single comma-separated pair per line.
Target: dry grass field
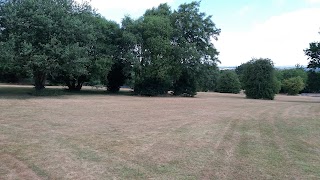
x,y
103,136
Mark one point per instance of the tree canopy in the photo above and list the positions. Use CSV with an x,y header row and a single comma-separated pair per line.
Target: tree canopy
x,y
69,43
59,38
313,52
172,48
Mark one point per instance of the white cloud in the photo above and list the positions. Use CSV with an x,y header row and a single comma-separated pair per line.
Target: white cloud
x,y
312,1
279,3
281,38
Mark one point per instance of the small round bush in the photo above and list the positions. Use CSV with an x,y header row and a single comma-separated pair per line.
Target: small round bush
x,y
228,82
293,86
259,79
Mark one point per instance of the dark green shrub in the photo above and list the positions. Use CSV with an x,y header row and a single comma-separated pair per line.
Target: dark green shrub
x,y
293,86
151,86
278,86
259,79
186,85
228,82
207,78
290,73
313,82
116,77
240,72
285,74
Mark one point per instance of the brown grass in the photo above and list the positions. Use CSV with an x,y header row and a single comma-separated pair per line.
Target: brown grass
x,y
211,136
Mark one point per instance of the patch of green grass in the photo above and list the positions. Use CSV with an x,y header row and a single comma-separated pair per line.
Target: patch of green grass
x,y
243,148
87,154
271,157
132,173
305,155
310,169
3,171
164,169
38,170
81,153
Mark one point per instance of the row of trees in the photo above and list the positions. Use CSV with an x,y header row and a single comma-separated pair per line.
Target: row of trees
x,y
261,80
69,43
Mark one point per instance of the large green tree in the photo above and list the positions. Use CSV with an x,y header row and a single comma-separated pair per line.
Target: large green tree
x,y
152,71
59,38
314,55
172,50
192,46
313,82
313,52
26,27
92,60
129,55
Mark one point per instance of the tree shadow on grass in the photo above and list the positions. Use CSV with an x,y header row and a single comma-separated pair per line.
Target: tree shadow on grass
x,y
217,95
28,92
288,99
314,100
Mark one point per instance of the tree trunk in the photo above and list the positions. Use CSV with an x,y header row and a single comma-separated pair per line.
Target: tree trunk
x,y
39,80
74,85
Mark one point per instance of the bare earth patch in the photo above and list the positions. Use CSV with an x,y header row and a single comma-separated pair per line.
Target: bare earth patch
x,y
211,136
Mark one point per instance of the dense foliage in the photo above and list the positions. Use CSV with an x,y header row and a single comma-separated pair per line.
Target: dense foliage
x,y
208,77
259,80
313,52
293,72
193,49
228,82
58,38
283,75
240,72
173,50
313,82
293,85
69,43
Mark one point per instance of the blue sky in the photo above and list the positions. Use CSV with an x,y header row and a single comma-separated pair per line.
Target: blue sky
x,y
275,29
